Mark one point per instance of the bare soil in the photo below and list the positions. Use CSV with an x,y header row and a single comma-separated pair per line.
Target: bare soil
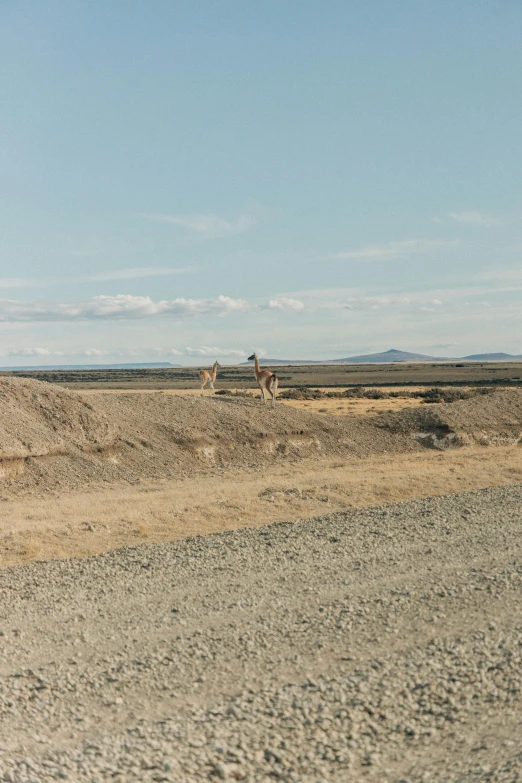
x,y
372,645
83,474
58,440
98,519
332,407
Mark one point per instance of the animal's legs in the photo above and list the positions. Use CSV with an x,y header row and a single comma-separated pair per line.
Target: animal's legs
x,y
273,391
211,390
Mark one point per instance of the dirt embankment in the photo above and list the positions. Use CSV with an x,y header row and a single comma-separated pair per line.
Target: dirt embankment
x,y
39,420
484,420
51,438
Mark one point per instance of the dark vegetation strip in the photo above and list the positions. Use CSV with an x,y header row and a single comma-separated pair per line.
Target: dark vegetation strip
x,y
292,376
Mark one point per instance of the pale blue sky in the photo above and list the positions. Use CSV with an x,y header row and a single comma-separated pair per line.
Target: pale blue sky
x,y
186,180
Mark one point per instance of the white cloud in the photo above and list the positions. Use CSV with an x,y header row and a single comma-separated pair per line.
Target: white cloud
x,y
33,352
473,218
450,297
206,350
18,282
43,352
502,274
286,304
206,224
395,250
118,306
135,273
231,305
92,352
130,307
172,352
370,302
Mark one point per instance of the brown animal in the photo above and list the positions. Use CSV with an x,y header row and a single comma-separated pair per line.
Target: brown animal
x,y
208,377
266,380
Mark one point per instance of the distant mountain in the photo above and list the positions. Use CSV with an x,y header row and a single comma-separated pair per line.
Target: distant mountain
x,y
393,355
492,357
132,366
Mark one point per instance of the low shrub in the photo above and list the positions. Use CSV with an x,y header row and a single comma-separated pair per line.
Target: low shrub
x,y
302,393
449,394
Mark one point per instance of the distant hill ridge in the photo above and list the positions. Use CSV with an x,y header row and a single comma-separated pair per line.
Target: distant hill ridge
x,y
385,357
490,357
129,366
395,355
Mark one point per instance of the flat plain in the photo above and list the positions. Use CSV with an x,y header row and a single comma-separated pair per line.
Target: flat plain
x,y
333,375
325,591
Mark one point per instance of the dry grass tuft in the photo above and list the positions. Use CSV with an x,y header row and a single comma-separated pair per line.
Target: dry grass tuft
x,y
141,529
30,548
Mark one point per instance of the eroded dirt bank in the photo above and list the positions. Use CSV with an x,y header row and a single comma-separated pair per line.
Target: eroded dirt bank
x,y
52,439
382,644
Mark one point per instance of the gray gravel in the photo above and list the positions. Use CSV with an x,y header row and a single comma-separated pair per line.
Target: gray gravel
x,y
383,644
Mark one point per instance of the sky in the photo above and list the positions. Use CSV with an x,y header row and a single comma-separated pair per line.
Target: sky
x,y
191,180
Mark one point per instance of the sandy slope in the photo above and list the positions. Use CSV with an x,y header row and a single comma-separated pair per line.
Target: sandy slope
x,y
54,439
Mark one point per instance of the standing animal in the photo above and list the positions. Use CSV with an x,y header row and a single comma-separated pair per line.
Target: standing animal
x,y
208,377
266,380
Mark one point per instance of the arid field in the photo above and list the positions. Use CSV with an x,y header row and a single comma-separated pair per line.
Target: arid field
x,y
328,590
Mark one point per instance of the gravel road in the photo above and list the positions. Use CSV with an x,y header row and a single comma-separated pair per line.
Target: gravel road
x,y
383,644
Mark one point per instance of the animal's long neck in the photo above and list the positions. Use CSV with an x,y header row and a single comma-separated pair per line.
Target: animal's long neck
x,y
257,368
214,372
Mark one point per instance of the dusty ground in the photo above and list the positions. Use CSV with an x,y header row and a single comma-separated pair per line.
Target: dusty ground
x,y
380,644
83,474
53,439
332,407
95,520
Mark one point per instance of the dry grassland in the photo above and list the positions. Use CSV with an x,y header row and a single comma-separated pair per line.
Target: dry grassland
x,y
349,407
358,407
84,474
331,406
330,375
98,520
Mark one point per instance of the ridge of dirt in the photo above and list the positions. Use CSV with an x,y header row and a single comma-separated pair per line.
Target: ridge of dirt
x,y
39,419
483,420
160,436
54,439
